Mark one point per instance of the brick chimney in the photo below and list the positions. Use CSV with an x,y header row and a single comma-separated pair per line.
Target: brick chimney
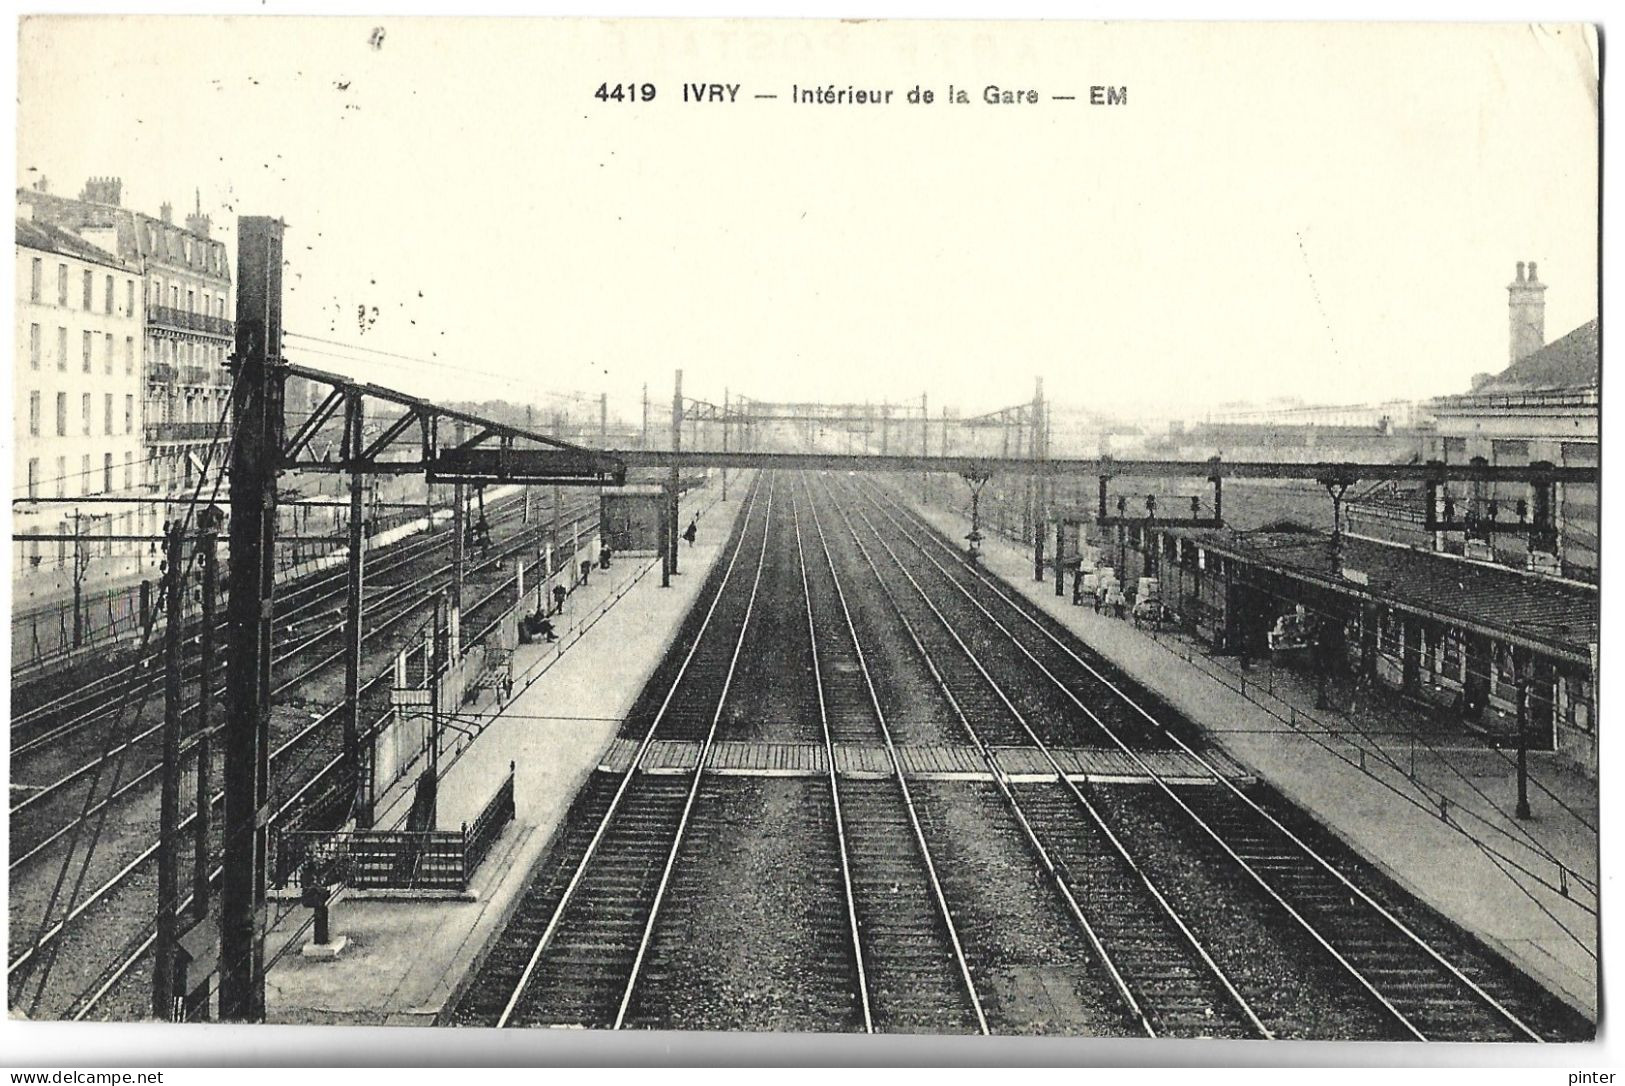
x,y
1526,303
103,190
197,222
166,213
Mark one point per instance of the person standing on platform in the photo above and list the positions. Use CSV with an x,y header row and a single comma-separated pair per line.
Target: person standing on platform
x,y
559,593
692,531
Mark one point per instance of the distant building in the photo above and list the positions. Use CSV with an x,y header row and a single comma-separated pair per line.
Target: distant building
x,y
1543,407
77,384
186,287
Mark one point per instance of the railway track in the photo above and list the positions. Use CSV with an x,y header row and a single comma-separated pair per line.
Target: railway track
x,y
1416,989
836,899
51,804
574,951
1163,976
42,718
305,762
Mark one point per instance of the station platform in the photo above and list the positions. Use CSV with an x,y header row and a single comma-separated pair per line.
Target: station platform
x,y
1430,806
405,958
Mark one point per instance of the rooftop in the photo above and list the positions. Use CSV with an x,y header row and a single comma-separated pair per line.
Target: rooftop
x,y
50,238
1544,612
1572,362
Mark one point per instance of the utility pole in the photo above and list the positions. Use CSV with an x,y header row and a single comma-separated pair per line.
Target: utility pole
x,y
437,655
725,441
169,790
558,532
208,533
459,526
1060,544
925,448
1523,747
256,452
193,989
79,564
524,516
643,442
603,420
1036,441
675,478
362,802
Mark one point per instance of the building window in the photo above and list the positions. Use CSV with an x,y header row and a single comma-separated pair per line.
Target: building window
x,y
36,280
33,477
33,346
129,472
129,297
62,349
85,345
191,302
61,476
61,414
129,355
33,414
62,285
129,413
84,409
109,295
107,413
90,289
107,353
86,481
107,471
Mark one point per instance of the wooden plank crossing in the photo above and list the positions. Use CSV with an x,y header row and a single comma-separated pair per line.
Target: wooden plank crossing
x,y
923,761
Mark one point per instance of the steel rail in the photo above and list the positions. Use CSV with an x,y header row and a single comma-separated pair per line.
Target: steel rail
x,y
41,792
1306,849
626,778
281,753
1099,821
834,788
902,784
392,558
1051,868
699,769
81,1010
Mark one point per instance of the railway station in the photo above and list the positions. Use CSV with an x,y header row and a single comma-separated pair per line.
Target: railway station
x,y
1120,570
753,726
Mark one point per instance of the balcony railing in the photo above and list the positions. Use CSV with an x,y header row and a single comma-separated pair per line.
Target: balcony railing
x,y
167,317
180,431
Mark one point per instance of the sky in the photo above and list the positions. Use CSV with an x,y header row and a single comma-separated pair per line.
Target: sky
x,y
1319,211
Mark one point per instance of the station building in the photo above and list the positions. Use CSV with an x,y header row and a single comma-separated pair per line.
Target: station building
x,y
1543,407
1451,636
77,387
